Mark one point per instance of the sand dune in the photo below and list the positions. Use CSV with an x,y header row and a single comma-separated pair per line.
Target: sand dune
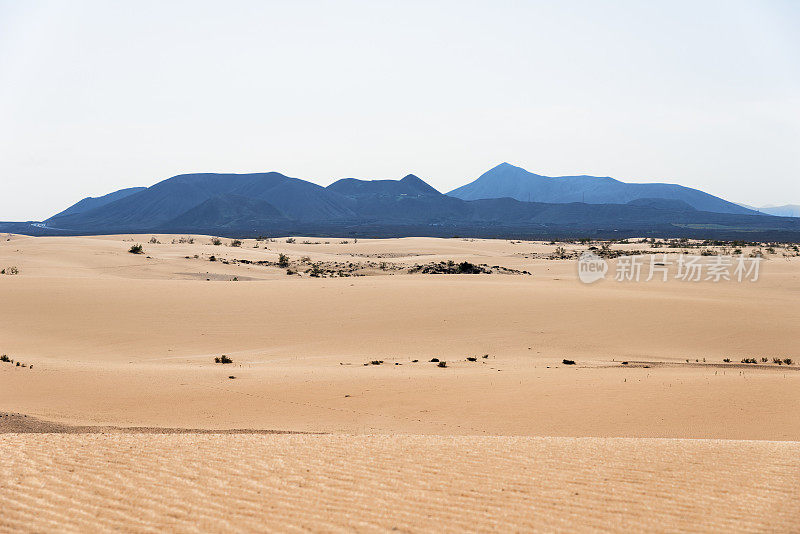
x,y
124,340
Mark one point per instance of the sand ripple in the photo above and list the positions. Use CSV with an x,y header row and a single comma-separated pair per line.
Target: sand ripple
x,y
239,483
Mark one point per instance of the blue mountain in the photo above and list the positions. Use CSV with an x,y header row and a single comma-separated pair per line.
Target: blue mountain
x,y
507,180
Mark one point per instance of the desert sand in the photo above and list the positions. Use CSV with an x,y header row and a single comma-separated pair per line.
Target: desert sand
x,y
676,439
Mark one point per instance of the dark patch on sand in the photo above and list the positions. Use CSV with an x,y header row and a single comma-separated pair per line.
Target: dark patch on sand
x,y
23,424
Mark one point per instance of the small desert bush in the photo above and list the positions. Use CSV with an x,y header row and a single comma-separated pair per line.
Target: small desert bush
x,y
11,271
788,361
466,267
472,359
236,243
136,249
283,260
568,362
726,360
290,240
223,359
154,241
5,358
441,364
434,360
216,241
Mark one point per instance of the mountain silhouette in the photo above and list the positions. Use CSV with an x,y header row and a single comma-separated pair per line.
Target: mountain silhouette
x,y
506,180
272,203
90,203
409,186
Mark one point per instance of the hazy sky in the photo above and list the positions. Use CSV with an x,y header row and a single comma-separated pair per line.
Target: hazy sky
x,y
97,96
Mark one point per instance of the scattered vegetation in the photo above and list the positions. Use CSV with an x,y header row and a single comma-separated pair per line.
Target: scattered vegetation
x,y
5,358
315,270
11,271
441,364
154,241
283,261
560,253
290,240
136,249
465,267
568,362
236,243
223,359
216,241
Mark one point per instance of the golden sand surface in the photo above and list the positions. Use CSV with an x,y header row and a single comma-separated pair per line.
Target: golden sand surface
x,y
373,483
113,339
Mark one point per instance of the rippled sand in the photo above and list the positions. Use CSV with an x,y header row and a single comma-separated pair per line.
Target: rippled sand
x,y
190,482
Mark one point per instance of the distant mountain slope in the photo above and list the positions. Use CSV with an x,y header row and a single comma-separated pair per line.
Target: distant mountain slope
x,y
788,210
506,180
229,211
661,204
171,198
90,203
408,186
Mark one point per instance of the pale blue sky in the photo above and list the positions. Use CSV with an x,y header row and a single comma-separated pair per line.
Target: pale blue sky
x,y
96,96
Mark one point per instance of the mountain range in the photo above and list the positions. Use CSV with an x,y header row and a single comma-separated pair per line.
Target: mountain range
x,y
494,205
507,180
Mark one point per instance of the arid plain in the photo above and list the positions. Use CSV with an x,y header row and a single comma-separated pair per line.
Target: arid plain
x,y
117,368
